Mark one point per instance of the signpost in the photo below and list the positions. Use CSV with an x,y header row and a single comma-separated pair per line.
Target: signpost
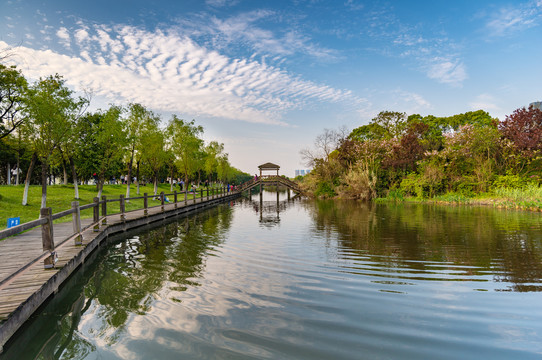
x,y
14,221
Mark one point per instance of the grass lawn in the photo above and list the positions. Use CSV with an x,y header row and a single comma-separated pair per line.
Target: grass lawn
x,y
59,198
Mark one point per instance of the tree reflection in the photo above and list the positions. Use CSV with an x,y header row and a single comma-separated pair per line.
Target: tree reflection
x,y
475,240
119,283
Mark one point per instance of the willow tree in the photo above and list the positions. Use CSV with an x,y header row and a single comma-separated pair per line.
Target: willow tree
x,y
51,111
186,145
138,119
110,140
13,87
153,155
213,152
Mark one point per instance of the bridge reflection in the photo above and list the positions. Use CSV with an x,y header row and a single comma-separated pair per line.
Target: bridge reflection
x,y
269,205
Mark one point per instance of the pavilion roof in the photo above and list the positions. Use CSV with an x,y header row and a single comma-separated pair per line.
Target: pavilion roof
x,y
269,166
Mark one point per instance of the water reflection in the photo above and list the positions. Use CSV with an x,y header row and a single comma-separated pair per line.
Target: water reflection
x,y
277,200
276,278
117,284
432,242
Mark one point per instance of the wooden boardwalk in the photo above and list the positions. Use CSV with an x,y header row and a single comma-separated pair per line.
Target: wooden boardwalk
x,y
25,284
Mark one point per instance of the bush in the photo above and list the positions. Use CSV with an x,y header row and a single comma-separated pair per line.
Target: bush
x,y
510,181
396,195
359,184
412,185
325,190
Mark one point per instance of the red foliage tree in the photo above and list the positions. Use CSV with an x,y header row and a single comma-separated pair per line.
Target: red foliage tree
x,y
524,129
409,150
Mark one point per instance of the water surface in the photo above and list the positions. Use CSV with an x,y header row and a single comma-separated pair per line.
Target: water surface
x,y
305,280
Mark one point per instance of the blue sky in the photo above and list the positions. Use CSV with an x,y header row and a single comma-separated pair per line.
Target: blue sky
x,y
266,77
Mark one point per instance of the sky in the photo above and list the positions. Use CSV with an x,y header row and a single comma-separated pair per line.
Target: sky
x,y
266,77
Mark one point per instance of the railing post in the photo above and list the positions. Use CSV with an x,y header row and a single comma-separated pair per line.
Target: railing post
x,y
76,222
104,210
47,238
162,198
186,196
122,208
201,194
145,204
96,214
207,193
175,198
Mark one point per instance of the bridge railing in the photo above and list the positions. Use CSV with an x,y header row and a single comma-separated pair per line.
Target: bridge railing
x,y
270,178
47,217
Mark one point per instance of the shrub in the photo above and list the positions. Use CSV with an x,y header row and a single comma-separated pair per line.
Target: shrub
x,y
324,189
359,183
510,181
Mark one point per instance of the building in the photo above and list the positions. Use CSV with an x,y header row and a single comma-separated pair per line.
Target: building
x,y
301,172
536,105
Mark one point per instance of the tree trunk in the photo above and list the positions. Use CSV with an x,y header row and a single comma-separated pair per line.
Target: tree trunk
x,y
171,180
18,169
155,184
137,177
100,186
129,180
75,181
28,176
8,179
65,172
43,183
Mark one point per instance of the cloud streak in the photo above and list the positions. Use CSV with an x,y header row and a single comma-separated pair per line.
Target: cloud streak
x,y
515,18
170,72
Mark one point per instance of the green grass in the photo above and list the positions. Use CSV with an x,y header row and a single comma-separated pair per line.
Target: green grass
x,y
525,198
60,197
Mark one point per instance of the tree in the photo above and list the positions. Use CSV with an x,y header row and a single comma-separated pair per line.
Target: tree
x,y
213,151
13,87
138,118
393,122
524,128
223,168
324,145
102,140
186,145
51,111
154,154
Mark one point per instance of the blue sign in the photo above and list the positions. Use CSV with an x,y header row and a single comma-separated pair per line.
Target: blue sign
x,y
14,221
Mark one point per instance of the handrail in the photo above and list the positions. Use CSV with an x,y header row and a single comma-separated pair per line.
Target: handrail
x,y
268,179
47,217
20,228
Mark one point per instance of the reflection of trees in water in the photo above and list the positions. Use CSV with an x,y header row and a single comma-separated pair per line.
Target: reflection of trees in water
x,y
477,240
122,281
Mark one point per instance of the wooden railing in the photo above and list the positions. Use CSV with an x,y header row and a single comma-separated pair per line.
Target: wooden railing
x,y
268,179
47,217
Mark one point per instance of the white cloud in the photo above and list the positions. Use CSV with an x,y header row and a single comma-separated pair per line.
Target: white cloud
x,y
64,37
168,72
484,102
242,30
446,71
515,18
221,3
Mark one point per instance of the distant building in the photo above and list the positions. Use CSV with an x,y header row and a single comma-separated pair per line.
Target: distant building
x,y
536,105
301,172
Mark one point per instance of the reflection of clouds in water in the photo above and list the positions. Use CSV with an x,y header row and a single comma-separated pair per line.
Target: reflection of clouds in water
x,y
517,337
225,288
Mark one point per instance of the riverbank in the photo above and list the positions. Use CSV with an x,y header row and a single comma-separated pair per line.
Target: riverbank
x,y
24,287
59,197
529,199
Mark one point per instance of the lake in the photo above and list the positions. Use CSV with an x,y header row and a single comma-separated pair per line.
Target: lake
x,y
273,278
